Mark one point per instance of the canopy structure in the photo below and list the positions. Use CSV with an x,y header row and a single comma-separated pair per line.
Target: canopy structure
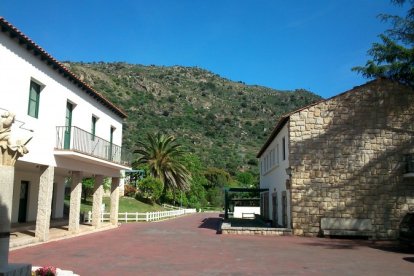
x,y
237,190
132,176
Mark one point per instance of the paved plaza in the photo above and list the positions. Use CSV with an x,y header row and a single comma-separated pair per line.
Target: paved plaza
x,y
190,246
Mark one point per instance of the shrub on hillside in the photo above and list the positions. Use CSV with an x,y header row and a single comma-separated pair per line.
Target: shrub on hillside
x,y
130,190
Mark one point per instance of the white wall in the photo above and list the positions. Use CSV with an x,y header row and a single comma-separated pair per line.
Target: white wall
x,y
273,172
17,68
239,210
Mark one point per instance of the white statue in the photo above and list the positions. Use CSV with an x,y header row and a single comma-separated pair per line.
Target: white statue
x,y
10,150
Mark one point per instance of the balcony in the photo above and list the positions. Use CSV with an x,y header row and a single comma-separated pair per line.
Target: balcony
x,y
409,165
80,141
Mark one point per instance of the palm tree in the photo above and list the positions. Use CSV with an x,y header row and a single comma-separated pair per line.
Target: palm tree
x,y
162,154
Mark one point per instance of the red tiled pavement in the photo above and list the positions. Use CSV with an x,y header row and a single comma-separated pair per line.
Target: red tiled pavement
x,y
190,246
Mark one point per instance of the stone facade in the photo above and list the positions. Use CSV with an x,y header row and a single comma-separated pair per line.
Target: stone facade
x,y
347,158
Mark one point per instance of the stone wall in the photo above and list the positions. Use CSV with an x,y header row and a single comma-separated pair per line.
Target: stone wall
x,y
347,158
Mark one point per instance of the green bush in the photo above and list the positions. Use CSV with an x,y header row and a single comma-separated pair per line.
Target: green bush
x,y
151,188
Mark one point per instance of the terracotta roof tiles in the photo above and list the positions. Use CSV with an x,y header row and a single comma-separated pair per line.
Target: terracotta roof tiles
x,y
56,65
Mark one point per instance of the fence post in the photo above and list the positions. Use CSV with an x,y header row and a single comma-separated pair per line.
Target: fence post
x,y
89,216
146,216
126,216
136,216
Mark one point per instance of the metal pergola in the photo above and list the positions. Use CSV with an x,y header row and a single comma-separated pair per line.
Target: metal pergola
x,y
134,175
237,190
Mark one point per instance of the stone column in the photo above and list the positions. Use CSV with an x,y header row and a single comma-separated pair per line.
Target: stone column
x,y
44,202
114,200
75,201
6,201
97,201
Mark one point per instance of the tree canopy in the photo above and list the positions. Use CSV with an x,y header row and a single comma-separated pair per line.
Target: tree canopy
x,y
164,158
393,57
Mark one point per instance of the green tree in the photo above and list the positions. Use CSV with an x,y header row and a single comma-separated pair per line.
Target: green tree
x,y
217,178
87,187
151,188
246,179
164,158
215,197
196,195
393,58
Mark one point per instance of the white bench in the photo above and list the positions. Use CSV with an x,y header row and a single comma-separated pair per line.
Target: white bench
x,y
346,227
248,215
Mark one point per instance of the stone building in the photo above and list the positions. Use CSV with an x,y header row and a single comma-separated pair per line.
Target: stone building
x,y
346,157
75,133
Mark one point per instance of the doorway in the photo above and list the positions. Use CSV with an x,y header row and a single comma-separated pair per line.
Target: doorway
x,y
23,200
68,125
274,209
284,209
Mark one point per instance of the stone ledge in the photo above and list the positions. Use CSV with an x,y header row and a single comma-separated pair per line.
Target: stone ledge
x,y
226,228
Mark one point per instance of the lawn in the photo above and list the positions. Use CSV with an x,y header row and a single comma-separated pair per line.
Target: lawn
x,y
126,204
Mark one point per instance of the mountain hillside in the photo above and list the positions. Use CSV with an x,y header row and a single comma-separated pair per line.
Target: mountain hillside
x,y
223,122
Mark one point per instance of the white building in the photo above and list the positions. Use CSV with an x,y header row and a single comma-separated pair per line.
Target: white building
x,y
76,133
274,160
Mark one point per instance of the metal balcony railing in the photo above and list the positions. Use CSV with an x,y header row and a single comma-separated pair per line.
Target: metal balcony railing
x,y
79,140
409,163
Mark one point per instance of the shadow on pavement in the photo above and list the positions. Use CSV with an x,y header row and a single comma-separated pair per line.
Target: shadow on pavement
x,y
388,246
409,259
394,247
332,245
211,223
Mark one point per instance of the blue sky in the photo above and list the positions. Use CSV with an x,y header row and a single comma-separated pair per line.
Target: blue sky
x,y
310,44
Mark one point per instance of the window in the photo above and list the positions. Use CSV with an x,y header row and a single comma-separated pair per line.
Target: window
x,y
272,158
283,148
111,135
93,127
277,154
111,138
262,165
34,98
267,162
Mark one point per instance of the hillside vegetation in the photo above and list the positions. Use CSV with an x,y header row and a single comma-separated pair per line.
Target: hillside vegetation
x,y
221,121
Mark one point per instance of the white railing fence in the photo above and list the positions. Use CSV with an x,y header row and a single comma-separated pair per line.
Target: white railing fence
x,y
148,216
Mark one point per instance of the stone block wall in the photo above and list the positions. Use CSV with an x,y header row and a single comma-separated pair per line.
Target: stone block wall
x,y
347,158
